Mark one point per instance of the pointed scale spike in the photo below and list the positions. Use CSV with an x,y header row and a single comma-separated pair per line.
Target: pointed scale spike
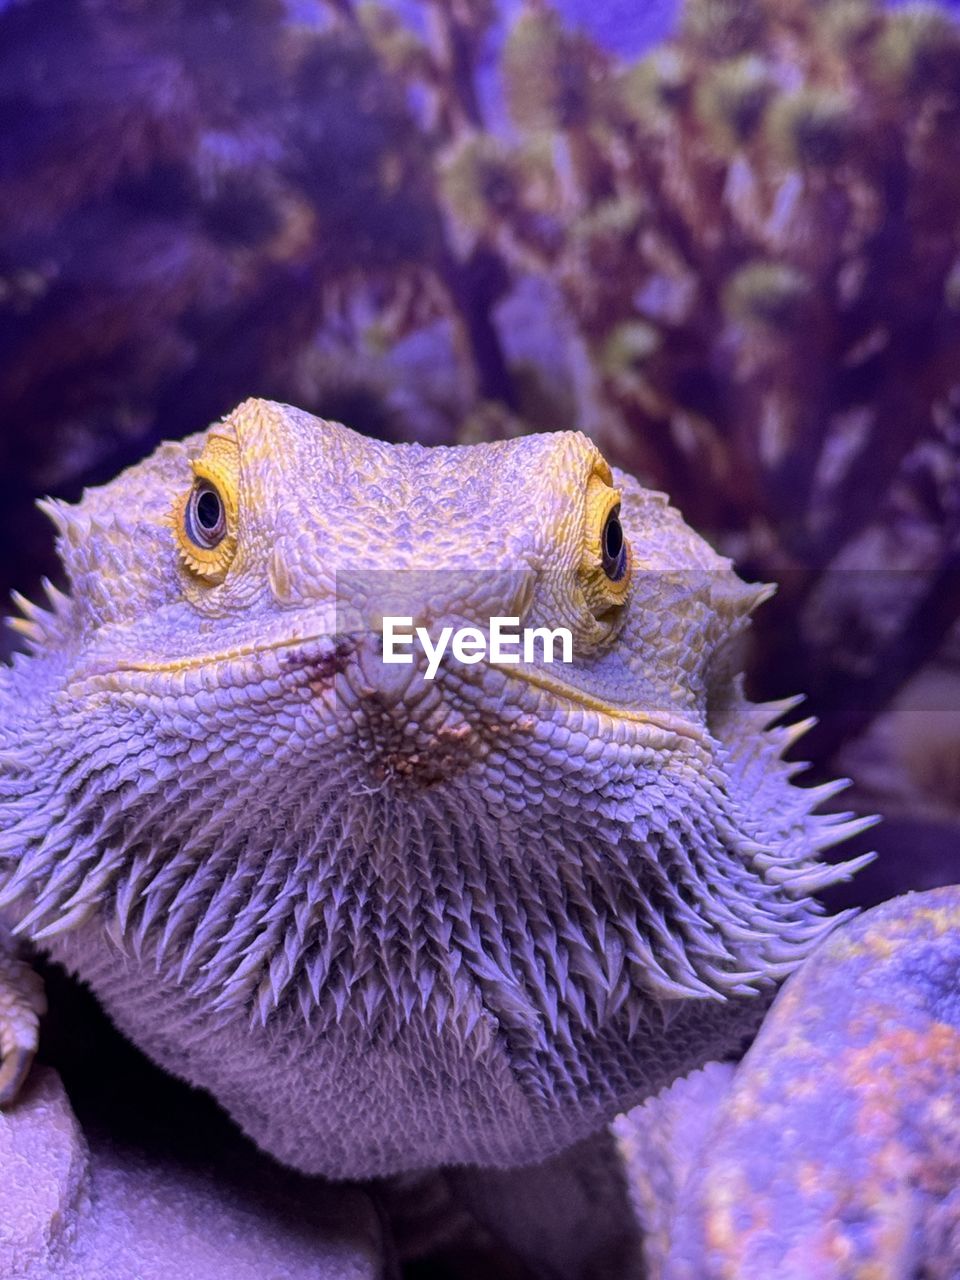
x,y
45,913
725,980
658,982
16,886
792,733
776,710
844,871
56,512
820,875
305,1003
65,921
59,600
816,796
762,593
27,628
828,835
35,617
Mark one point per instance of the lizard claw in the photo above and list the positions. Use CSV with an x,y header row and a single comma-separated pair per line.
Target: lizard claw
x,y
22,1004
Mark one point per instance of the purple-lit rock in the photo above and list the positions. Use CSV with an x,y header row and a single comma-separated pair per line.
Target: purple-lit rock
x,y
833,1151
70,1210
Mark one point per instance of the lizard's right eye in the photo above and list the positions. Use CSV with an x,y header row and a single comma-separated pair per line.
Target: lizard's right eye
x,y
205,517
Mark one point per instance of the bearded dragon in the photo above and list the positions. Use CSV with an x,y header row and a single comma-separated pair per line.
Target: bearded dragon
x,y
391,922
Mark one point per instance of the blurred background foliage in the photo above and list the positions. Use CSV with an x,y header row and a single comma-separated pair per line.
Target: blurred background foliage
x,y
732,258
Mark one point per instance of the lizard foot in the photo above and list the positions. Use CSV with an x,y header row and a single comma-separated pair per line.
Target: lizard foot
x,y
22,1004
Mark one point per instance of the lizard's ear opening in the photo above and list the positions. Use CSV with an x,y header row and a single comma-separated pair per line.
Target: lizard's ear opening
x,y
205,519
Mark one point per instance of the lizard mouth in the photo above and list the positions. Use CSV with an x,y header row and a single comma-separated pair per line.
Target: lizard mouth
x,y
324,657
569,693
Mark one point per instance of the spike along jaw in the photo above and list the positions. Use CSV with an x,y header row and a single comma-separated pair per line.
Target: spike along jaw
x,y
790,835
65,773
780,835
723,849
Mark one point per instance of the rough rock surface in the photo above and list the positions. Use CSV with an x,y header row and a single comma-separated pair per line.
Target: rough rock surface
x,y
77,1210
833,1151
662,1144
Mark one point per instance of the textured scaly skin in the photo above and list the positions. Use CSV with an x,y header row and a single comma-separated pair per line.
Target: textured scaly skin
x,y
833,1150
393,923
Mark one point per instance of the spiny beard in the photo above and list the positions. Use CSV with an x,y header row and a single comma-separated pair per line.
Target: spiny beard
x,y
345,902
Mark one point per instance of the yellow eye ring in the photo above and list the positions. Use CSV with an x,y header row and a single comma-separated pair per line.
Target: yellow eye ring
x,y
205,518
606,561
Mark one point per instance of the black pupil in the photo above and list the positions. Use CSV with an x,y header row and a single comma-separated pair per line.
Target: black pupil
x,y
613,538
208,510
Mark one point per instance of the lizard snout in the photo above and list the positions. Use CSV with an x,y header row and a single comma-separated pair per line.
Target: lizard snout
x,y
403,722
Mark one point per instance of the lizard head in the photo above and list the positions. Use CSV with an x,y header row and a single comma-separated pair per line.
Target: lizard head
x,y
214,761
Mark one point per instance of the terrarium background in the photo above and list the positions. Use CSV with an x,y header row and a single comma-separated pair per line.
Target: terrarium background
x,y
724,241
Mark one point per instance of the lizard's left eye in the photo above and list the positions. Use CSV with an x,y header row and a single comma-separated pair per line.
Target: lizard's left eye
x,y
205,517
605,561
613,546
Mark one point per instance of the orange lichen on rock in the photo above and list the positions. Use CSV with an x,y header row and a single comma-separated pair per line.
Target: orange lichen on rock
x,y
836,1153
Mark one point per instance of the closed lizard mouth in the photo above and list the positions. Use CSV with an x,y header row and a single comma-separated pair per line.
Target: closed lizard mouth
x,y
569,693
326,656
